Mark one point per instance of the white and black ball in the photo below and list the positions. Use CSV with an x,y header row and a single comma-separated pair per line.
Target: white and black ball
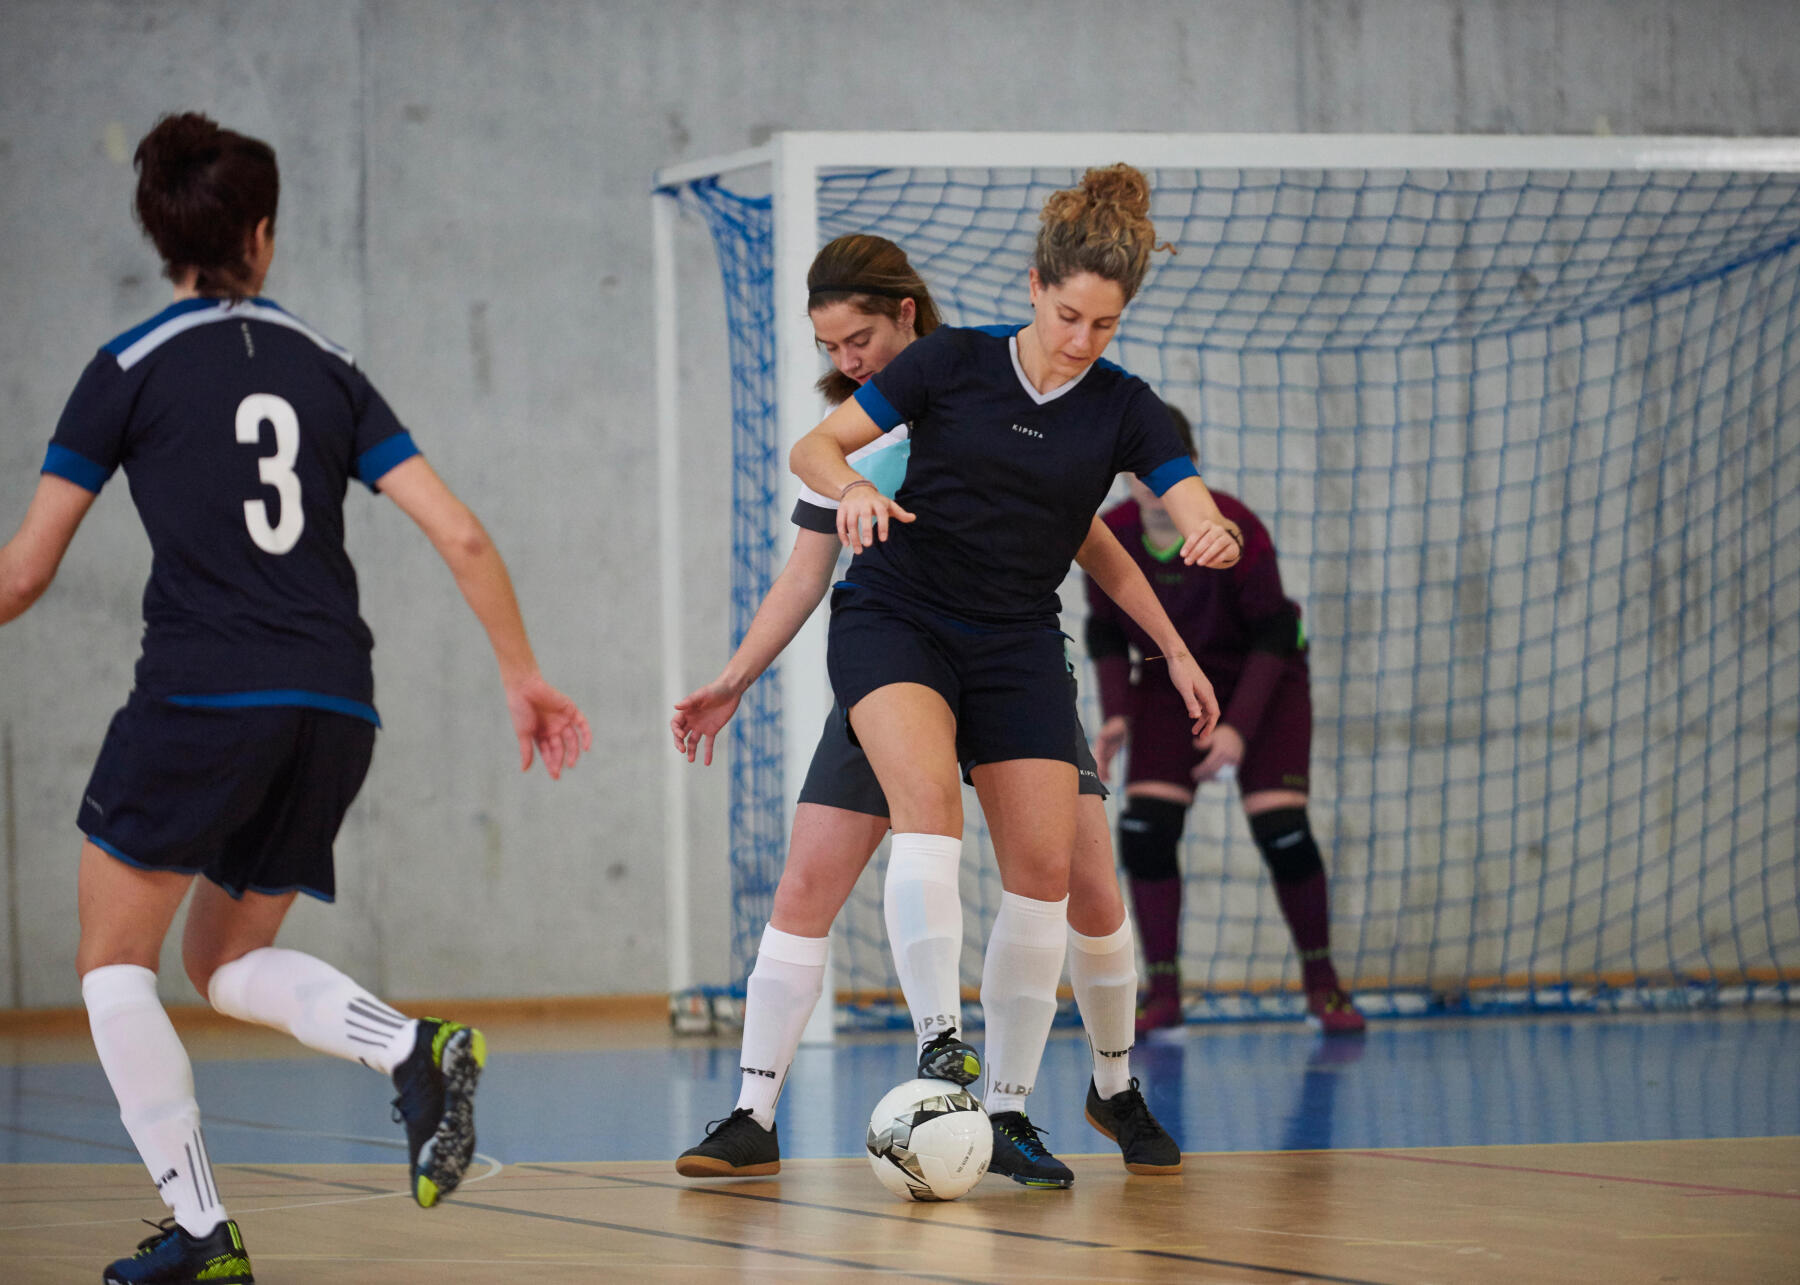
x,y
929,1140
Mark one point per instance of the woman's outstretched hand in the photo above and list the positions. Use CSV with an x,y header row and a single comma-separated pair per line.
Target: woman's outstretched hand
x,y
544,718
700,715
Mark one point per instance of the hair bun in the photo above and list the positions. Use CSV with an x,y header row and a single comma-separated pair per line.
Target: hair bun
x,y
178,145
1121,185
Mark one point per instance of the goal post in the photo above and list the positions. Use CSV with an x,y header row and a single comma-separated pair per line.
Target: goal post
x,y
1520,414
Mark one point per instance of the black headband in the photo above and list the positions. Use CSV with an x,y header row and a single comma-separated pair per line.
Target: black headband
x,y
890,292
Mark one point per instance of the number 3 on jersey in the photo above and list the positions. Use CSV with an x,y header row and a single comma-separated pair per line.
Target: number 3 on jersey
x,y
275,470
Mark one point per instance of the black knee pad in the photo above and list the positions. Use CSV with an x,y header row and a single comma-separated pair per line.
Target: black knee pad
x,y
1149,836
1286,841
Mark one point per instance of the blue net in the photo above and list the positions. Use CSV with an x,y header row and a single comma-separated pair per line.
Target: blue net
x,y
1527,448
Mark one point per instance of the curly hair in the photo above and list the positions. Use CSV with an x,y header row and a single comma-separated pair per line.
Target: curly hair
x,y
1101,226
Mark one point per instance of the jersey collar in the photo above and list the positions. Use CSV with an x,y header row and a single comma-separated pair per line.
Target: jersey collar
x,y
1012,347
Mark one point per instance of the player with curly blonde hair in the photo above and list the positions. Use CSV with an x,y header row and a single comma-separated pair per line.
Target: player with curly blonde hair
x,y
944,647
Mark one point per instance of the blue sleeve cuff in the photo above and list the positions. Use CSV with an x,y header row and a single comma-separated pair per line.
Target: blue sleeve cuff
x,y
878,407
75,468
373,463
1163,476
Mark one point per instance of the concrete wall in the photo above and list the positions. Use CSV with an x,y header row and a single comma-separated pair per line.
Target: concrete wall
x,y
465,207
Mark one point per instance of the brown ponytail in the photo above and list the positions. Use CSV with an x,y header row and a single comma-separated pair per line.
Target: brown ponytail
x,y
201,192
873,276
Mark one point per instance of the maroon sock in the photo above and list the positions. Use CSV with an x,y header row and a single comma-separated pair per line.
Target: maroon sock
x,y
1303,905
1158,905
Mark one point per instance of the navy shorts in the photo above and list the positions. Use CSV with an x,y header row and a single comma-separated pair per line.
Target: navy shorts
x,y
250,798
1009,689
1162,742
839,775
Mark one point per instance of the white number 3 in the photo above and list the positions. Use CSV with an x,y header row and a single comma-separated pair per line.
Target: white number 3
x,y
275,470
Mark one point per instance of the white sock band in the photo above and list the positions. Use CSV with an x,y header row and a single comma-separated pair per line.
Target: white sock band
x,y
779,997
1103,975
922,904
315,1003
154,1083
1018,994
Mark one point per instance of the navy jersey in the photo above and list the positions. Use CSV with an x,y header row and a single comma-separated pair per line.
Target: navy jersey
x,y
238,428
1004,480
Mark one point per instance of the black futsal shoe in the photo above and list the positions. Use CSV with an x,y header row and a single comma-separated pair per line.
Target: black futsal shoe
x,y
1021,1155
1125,1118
945,1057
735,1147
173,1257
437,1105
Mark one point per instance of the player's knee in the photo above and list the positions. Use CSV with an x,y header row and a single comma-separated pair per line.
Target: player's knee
x,y
200,967
1150,837
202,960
1285,839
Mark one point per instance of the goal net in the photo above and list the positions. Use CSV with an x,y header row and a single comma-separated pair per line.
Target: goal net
x,y
1520,416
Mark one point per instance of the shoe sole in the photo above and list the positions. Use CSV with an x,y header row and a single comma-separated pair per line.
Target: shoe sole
x,y
1134,1166
1320,1025
446,1154
962,1078
712,1167
1042,1184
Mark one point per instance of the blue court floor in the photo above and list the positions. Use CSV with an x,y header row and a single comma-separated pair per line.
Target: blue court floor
x,y
1430,1083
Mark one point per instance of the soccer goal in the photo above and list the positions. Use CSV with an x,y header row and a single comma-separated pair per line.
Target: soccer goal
x,y
1521,416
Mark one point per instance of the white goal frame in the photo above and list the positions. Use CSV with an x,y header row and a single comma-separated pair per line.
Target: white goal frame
x,y
793,163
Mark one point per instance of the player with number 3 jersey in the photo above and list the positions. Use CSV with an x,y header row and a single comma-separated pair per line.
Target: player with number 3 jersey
x,y
251,724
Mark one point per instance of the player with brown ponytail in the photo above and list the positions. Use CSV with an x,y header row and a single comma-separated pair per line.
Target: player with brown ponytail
x,y
251,722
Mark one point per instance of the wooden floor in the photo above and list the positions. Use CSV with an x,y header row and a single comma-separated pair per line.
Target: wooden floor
x,y
1714,1210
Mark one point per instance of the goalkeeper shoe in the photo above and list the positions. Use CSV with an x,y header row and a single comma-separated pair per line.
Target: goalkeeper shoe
x,y
173,1257
437,1105
945,1057
1332,1012
1125,1118
1020,1153
735,1147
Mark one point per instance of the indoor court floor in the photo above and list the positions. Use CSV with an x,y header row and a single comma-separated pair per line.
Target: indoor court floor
x,y
1652,1147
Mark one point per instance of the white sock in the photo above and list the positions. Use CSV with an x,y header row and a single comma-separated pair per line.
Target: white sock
x,y
1018,994
922,903
1103,974
316,1004
779,997
154,1083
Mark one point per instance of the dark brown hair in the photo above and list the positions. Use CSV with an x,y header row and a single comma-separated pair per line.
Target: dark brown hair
x,y
201,192
1101,226
1183,429
872,275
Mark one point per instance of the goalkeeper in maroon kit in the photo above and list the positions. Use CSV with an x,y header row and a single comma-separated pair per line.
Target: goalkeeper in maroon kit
x,y
1248,638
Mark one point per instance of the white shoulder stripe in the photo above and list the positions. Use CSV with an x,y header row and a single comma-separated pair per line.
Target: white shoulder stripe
x,y
174,326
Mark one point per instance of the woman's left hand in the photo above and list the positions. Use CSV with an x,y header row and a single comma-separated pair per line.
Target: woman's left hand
x,y
1196,691
1216,544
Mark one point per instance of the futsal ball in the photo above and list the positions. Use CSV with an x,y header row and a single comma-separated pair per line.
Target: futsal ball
x,y
929,1140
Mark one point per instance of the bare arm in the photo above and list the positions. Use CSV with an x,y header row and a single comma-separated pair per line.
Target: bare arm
x,y
1209,539
791,599
821,460
29,560
1119,578
541,715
